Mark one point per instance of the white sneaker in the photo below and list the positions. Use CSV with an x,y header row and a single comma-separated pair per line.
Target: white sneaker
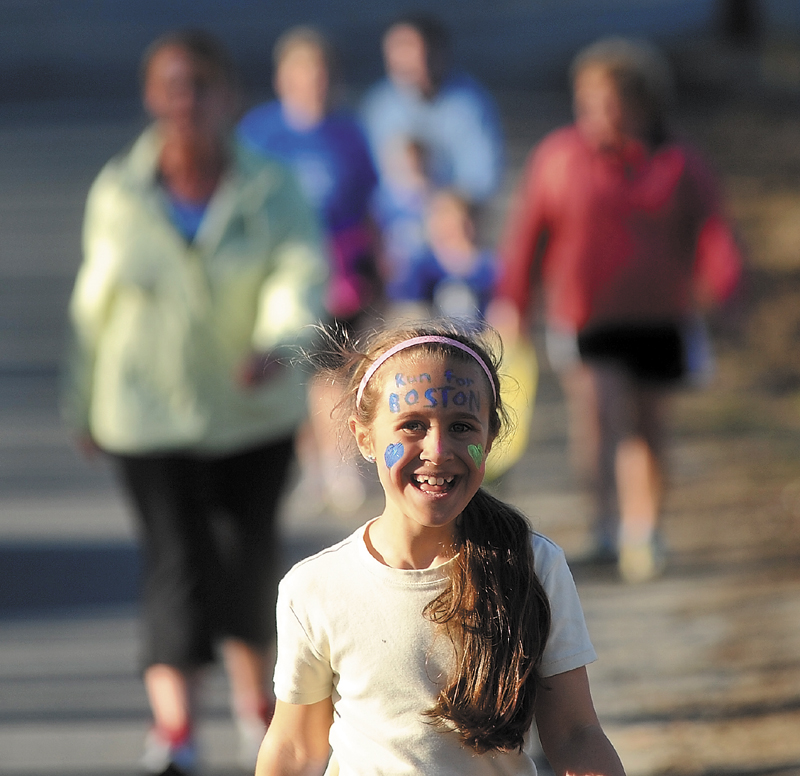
x,y
641,561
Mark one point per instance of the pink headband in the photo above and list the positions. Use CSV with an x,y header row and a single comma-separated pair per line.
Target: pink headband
x,y
376,365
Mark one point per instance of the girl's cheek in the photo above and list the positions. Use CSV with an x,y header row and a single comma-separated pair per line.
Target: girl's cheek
x,y
393,453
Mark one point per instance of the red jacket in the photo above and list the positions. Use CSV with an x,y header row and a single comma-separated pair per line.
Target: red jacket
x,y
624,236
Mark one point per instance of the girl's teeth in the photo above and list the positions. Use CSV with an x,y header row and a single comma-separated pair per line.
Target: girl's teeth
x,y
434,480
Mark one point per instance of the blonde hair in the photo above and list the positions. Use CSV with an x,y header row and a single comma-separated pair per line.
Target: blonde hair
x,y
304,36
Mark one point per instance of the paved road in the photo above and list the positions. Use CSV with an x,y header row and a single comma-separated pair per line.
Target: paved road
x,y
699,671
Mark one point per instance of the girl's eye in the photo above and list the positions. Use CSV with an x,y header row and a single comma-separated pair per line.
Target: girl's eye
x,y
461,428
413,425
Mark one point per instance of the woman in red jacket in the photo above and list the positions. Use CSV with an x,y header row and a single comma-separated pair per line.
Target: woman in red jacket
x,y
624,227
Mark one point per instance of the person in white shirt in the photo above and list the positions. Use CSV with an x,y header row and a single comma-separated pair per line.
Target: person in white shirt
x,y
433,638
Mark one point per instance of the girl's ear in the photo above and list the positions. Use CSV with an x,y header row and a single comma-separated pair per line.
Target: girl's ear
x,y
362,436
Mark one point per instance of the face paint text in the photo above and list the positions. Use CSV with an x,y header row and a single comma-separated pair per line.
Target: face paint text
x,y
457,392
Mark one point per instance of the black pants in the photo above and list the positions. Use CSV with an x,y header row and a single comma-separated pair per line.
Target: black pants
x,y
210,548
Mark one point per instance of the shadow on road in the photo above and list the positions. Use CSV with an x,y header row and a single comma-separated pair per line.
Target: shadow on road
x,y
41,579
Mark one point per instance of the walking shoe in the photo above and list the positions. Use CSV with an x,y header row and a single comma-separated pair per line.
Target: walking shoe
x,y
169,756
641,561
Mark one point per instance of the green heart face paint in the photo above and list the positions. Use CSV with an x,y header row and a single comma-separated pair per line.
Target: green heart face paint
x,y
476,453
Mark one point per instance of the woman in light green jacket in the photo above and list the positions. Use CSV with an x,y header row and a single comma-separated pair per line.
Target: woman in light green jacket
x,y
202,269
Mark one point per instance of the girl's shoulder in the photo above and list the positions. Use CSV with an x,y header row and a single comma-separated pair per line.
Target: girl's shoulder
x,y
546,554
331,560
329,554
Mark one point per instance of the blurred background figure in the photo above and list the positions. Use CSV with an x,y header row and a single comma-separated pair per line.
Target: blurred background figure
x,y
399,207
452,276
327,149
430,127
448,112
624,225
202,266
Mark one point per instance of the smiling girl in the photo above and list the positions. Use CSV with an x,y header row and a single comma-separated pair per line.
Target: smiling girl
x,y
433,638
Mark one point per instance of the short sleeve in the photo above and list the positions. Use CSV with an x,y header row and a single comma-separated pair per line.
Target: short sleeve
x,y
303,674
568,645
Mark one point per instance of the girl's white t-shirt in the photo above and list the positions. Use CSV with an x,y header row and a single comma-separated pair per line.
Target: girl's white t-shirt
x,y
352,628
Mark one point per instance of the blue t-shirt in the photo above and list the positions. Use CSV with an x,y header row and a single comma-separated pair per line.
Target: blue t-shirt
x,y
459,127
457,296
186,216
400,215
332,160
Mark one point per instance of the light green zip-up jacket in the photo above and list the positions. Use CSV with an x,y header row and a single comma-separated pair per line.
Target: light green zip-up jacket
x,y
161,326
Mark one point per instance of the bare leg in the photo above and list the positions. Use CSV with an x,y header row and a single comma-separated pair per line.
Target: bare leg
x,y
613,407
640,488
580,389
592,449
248,671
170,692
252,704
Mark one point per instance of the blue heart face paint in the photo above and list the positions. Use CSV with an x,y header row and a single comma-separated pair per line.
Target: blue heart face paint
x,y
476,453
393,453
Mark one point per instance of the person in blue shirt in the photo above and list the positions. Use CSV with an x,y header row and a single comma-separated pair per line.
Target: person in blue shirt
x,y
327,149
447,111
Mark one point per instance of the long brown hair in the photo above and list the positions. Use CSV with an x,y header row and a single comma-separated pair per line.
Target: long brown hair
x,y
498,616
495,610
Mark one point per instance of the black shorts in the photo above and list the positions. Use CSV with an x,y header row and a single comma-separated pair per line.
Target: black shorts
x,y
651,352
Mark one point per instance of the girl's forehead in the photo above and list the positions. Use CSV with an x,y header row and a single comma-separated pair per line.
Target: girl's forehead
x,y
422,362
414,374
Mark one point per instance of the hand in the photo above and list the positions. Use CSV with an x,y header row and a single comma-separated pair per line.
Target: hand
x,y
570,733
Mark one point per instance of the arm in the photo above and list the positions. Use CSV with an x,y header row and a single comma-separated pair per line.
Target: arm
x,y
297,740
90,305
718,267
718,261
477,145
523,237
290,300
569,730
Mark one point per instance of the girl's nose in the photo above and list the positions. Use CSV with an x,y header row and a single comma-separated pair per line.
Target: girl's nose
x,y
436,447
